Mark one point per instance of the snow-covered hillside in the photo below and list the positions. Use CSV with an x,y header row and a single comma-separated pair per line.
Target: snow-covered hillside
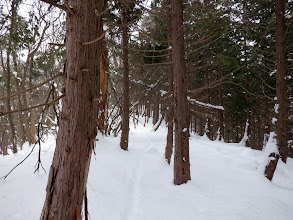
x,y
227,182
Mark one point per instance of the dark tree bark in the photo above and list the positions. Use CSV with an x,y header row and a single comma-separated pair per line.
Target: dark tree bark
x,y
156,112
220,113
170,113
14,6
247,128
78,125
181,157
282,100
104,87
281,125
271,167
125,106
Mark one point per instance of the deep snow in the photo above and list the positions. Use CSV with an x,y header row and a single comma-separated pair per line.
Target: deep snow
x,y
227,182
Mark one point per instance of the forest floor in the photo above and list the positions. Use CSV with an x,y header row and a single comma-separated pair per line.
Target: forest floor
x,y
227,182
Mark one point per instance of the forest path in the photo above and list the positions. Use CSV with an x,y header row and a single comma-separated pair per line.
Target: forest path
x,y
135,189
132,209
138,184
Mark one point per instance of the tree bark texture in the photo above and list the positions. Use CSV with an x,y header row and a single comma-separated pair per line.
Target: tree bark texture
x,y
125,106
271,167
281,87
282,99
14,6
220,113
181,157
104,86
156,112
169,145
78,125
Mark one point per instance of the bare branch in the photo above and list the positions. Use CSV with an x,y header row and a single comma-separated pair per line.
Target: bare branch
x,y
68,7
32,88
214,83
103,12
155,64
54,44
51,2
33,107
95,40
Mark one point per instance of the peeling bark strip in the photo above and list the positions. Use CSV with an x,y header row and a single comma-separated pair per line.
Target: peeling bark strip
x,y
76,136
181,154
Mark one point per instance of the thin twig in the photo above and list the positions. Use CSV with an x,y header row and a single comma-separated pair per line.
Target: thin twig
x,y
32,88
95,40
4,177
103,12
33,107
68,7
54,44
155,64
51,2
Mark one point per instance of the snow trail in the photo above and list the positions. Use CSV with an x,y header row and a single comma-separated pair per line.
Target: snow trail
x,y
138,184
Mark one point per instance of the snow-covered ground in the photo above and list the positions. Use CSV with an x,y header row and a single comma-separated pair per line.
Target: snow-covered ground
x,y
227,182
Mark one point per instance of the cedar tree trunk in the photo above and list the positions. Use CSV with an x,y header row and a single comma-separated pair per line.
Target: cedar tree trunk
x,y
181,157
78,126
281,87
282,100
125,109
169,146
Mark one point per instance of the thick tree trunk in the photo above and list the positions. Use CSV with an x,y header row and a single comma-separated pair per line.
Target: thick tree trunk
x,y
181,157
78,125
170,113
281,107
282,100
125,109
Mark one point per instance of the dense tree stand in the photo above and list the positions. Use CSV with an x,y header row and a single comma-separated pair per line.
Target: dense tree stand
x,y
76,136
181,154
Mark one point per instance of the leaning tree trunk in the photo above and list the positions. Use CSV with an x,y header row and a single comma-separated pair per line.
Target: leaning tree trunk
x,y
281,87
181,157
125,108
78,126
170,113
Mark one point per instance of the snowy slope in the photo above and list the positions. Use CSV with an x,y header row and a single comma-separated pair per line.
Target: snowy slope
x,y
227,182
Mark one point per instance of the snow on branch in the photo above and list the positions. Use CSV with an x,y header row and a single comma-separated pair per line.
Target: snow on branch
x,y
217,107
